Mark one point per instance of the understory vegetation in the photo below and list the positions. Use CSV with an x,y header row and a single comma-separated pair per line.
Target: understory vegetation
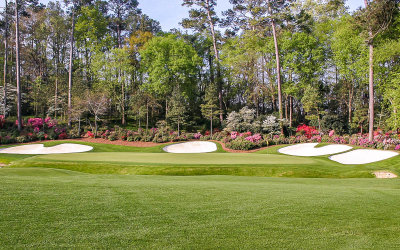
x,y
239,134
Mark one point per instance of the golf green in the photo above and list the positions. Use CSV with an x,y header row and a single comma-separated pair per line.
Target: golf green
x,y
112,159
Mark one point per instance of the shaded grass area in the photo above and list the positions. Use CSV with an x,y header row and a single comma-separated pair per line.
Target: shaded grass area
x,y
50,208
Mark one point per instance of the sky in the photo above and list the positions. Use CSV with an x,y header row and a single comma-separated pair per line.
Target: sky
x,y
170,12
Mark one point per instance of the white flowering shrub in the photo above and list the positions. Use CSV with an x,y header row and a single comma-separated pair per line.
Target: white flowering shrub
x,y
243,121
271,125
233,121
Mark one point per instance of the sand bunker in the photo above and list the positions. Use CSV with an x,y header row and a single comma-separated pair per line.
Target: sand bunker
x,y
363,156
384,175
40,149
308,149
191,147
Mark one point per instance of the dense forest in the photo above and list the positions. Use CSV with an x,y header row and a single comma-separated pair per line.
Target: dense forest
x,y
262,66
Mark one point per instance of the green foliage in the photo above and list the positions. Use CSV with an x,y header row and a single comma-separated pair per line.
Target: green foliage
x,y
360,118
198,18
393,96
323,47
349,50
304,55
334,122
91,29
112,71
311,103
169,61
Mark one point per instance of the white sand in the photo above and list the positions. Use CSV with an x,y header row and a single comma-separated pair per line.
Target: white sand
x,y
363,156
191,147
40,149
308,149
384,175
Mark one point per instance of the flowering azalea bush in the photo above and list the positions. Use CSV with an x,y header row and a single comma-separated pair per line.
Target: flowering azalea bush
x,y
241,143
308,131
2,121
234,135
197,135
33,129
308,134
35,122
244,141
90,134
254,138
62,136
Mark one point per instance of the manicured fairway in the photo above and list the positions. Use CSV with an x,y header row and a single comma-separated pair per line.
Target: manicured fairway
x,y
49,208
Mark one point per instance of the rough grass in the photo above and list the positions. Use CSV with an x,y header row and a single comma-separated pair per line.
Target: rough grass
x,y
51,208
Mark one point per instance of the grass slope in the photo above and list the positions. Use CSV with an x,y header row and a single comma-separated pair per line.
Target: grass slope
x,y
179,159
50,208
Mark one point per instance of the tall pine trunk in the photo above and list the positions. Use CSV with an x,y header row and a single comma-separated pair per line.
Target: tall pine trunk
x,y
371,81
179,129
278,68
19,117
371,92
286,107
147,116
290,110
95,126
211,123
351,102
71,57
5,61
122,95
219,77
56,90
123,121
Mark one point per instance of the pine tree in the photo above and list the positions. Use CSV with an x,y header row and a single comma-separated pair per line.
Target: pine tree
x,y
177,109
210,108
376,19
205,19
